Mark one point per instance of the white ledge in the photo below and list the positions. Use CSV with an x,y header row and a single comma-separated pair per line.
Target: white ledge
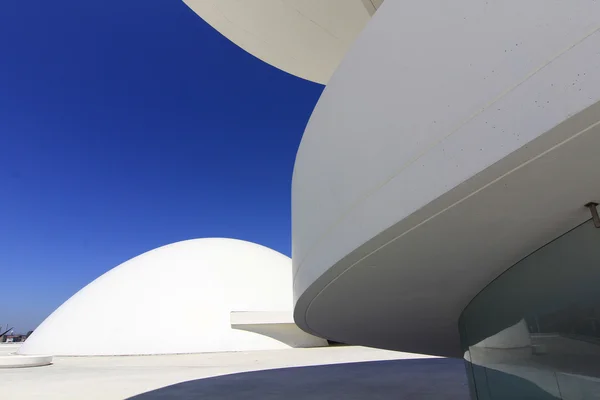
x,y
18,361
241,318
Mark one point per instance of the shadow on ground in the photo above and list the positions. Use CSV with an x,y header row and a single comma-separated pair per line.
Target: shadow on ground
x,y
433,378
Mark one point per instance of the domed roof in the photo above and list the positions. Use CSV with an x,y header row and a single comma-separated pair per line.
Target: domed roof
x,y
174,299
306,38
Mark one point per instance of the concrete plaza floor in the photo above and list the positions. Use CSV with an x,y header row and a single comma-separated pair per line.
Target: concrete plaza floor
x,y
318,373
7,348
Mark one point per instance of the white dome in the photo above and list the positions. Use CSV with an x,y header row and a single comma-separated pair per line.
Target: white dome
x,y
306,38
178,298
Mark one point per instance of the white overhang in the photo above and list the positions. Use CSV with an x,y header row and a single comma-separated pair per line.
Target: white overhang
x,y
471,146
306,38
244,318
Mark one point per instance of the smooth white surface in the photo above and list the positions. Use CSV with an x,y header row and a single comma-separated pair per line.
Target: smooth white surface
x,y
278,325
306,38
19,361
9,348
8,358
261,317
174,299
417,185
122,377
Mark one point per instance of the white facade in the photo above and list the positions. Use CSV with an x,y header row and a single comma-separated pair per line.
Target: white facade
x,y
178,298
453,140
306,38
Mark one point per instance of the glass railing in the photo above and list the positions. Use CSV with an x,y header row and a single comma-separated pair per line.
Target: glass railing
x,y
534,332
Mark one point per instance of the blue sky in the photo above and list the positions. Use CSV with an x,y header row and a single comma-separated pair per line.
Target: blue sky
x,y
126,125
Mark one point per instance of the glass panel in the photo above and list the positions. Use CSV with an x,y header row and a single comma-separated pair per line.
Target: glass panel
x,y
534,333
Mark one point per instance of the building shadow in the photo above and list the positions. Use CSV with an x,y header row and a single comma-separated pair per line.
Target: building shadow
x,y
432,378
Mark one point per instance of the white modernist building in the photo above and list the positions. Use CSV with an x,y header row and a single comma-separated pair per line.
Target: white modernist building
x,y
202,295
473,145
439,192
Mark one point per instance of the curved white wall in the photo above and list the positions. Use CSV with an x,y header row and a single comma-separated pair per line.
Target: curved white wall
x,y
174,299
20,361
306,38
471,145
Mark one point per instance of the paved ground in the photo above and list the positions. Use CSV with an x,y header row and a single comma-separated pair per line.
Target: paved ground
x,y
8,348
320,373
416,379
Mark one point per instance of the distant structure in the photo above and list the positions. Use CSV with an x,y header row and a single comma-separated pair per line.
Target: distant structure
x,y
213,295
4,334
7,336
12,338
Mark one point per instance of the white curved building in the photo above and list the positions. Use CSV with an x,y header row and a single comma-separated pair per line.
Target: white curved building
x,y
454,142
306,38
202,295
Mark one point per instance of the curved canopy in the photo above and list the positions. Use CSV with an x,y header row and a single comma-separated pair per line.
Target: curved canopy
x,y
446,149
306,38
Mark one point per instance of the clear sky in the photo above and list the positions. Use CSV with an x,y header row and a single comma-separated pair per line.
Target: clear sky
x,y
126,125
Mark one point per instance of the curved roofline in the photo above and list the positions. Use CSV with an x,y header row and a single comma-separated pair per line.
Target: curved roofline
x,y
415,188
305,38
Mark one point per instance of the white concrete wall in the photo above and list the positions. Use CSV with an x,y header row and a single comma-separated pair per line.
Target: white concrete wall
x,y
431,96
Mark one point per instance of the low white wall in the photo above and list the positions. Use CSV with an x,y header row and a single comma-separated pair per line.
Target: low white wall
x,y
18,361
